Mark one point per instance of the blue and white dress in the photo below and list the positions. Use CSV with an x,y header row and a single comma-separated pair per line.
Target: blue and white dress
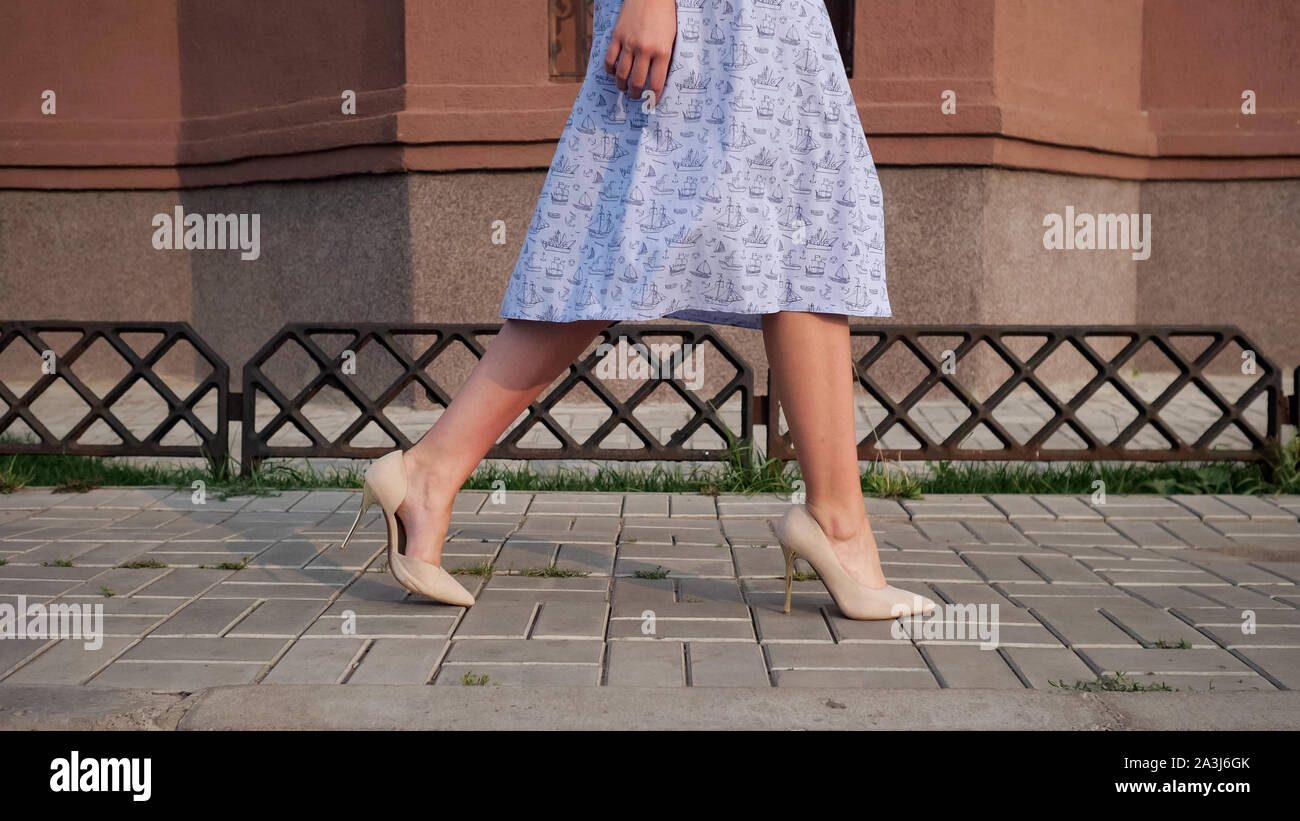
x,y
749,189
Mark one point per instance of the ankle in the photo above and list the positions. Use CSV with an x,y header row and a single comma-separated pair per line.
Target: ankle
x,y
426,487
840,523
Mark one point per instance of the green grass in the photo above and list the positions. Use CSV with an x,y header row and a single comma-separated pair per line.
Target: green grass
x,y
471,680
548,572
1182,644
142,564
1118,683
107,591
484,568
746,470
58,563
239,565
659,572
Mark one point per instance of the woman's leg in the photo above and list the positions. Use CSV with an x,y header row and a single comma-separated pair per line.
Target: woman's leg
x,y
524,358
812,371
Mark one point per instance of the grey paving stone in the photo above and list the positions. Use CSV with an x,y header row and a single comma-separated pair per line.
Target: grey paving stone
x,y
545,588
346,624
1065,507
321,661
1001,568
15,651
36,587
280,618
1177,597
804,623
509,503
944,532
1209,508
290,553
726,665
571,620
176,676
673,532
150,648
998,533
1121,509
692,506
894,657
697,629
953,507
1062,570
1153,625
1287,570
112,554
1080,625
646,664
704,591
765,506
399,661
325,501
1041,667
748,532
576,504
121,581
520,675
764,562
206,617
1259,510
68,662
525,651
1149,533
493,620
521,553
597,559
963,666
1235,571
634,591
712,562
645,504
885,510
283,583
977,593
1070,533
185,582
856,679
597,529
1254,598
1201,662
1282,665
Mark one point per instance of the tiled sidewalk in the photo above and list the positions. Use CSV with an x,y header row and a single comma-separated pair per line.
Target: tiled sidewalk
x,y
1082,590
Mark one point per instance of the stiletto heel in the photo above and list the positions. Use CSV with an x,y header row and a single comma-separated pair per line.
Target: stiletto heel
x,y
385,485
367,499
801,537
789,573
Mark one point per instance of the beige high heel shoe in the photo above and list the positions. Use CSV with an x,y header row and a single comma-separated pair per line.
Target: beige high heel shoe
x,y
386,484
801,536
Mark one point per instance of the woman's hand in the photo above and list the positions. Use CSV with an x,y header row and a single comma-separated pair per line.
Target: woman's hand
x,y
642,47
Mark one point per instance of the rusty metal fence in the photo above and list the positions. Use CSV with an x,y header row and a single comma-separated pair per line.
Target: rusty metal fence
x,y
373,370
56,360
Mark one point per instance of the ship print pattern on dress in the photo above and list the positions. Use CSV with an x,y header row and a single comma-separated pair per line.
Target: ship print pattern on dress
x,y
749,189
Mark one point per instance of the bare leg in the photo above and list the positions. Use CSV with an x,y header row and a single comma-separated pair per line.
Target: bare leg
x,y
523,359
812,369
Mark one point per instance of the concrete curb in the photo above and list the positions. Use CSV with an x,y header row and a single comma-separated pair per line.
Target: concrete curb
x,y
416,707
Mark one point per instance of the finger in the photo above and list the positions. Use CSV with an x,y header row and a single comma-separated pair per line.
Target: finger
x,y
625,60
636,77
611,55
658,77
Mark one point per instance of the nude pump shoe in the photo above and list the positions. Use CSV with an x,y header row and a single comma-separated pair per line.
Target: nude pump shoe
x,y
386,484
802,537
